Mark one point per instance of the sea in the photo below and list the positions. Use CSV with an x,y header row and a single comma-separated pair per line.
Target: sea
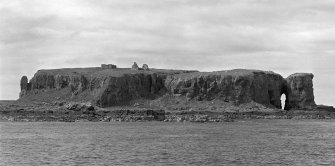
x,y
243,142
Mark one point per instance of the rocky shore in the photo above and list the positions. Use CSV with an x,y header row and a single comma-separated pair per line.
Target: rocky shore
x,y
78,112
75,111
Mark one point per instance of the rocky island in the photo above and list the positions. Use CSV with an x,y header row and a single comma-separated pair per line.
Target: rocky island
x,y
108,93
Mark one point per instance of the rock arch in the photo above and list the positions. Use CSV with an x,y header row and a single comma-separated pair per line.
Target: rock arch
x,y
284,92
283,100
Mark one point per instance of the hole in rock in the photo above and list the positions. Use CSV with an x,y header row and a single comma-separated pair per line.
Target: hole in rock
x,y
283,99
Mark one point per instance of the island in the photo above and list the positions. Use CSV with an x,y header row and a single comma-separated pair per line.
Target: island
x,y
108,93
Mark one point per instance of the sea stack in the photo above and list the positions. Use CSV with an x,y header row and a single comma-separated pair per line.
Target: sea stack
x,y
300,91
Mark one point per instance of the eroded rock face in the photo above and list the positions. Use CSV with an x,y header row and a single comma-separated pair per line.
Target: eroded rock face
x,y
121,90
300,93
237,86
103,87
42,81
78,84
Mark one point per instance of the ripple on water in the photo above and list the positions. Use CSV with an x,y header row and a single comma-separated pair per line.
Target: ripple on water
x,y
255,142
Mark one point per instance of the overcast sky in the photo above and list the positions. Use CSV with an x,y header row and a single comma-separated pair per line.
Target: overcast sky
x,y
284,36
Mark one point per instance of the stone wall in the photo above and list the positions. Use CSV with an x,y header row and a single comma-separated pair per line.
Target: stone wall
x,y
108,66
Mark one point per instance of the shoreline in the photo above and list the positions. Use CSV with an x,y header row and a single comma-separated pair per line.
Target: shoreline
x,y
14,111
199,117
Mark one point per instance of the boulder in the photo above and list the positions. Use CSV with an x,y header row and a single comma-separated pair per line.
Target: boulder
x,y
76,106
300,93
72,106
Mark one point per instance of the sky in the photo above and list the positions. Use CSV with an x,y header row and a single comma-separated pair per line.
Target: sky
x,y
283,36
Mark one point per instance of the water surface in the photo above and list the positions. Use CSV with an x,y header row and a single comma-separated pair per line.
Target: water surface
x,y
254,142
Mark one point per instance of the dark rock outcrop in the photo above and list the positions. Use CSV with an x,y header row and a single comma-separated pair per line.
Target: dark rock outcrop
x,y
121,90
325,108
44,80
300,93
135,115
101,87
24,85
119,86
237,86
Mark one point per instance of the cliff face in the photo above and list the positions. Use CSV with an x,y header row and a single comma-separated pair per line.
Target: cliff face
x,y
104,87
112,87
238,86
120,90
300,91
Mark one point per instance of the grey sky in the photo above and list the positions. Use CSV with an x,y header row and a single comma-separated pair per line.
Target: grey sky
x,y
281,35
